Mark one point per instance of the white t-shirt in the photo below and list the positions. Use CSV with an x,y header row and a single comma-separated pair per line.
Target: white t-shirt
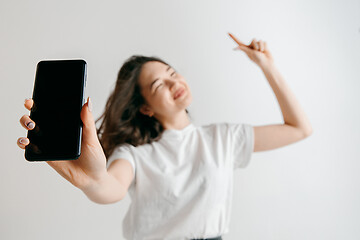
x,y
183,182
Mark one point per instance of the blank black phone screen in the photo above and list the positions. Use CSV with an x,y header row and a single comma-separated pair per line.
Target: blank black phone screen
x,y
58,97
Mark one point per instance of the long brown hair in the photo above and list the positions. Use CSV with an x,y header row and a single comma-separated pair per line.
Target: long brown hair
x,y
122,120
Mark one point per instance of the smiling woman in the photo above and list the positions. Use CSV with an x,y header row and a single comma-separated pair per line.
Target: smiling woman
x,y
174,171
162,97
144,103
179,176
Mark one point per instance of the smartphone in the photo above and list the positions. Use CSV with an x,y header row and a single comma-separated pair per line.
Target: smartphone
x,y
58,97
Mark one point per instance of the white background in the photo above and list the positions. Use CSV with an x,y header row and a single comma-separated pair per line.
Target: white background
x,y
306,190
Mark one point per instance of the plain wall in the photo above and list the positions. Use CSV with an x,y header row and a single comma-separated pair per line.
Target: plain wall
x,y
306,190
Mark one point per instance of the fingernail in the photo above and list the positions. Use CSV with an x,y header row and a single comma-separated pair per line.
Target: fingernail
x,y
30,125
23,141
89,104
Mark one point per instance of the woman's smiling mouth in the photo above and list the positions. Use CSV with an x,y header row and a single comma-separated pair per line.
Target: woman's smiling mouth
x,y
179,93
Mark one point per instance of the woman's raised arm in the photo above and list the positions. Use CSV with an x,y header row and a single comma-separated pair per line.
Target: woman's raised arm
x,y
296,125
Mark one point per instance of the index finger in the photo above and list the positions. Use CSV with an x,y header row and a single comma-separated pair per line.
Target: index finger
x,y
237,40
28,103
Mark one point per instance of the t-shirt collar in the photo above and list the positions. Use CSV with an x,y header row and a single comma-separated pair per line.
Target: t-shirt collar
x,y
178,133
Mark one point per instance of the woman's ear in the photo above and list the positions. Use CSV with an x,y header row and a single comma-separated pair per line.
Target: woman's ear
x,y
146,110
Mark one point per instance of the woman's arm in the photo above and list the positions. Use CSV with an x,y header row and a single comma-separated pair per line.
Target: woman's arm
x,y
296,125
291,110
89,172
105,191
113,185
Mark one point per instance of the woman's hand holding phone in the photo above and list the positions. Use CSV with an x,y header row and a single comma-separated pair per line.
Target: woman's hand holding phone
x,y
90,167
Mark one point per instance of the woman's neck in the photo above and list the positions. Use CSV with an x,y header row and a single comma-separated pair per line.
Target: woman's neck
x,y
178,121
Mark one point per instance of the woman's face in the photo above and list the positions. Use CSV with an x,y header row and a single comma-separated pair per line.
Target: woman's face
x,y
165,91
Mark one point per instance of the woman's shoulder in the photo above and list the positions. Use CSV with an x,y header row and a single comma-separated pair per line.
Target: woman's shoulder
x,y
213,129
214,125
223,127
221,124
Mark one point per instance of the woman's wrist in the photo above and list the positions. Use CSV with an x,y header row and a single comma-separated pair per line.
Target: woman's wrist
x,y
267,66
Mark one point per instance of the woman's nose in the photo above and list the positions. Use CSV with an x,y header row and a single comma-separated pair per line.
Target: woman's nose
x,y
171,82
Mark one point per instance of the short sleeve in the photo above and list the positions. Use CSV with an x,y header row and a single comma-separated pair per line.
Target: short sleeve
x,y
242,138
122,152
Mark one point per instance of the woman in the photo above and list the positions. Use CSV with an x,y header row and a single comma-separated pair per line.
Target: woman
x,y
179,176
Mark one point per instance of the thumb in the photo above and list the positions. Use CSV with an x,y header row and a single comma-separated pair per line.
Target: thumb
x,y
246,49
89,128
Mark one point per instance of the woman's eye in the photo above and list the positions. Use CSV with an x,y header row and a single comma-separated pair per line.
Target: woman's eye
x,y
158,86
173,74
